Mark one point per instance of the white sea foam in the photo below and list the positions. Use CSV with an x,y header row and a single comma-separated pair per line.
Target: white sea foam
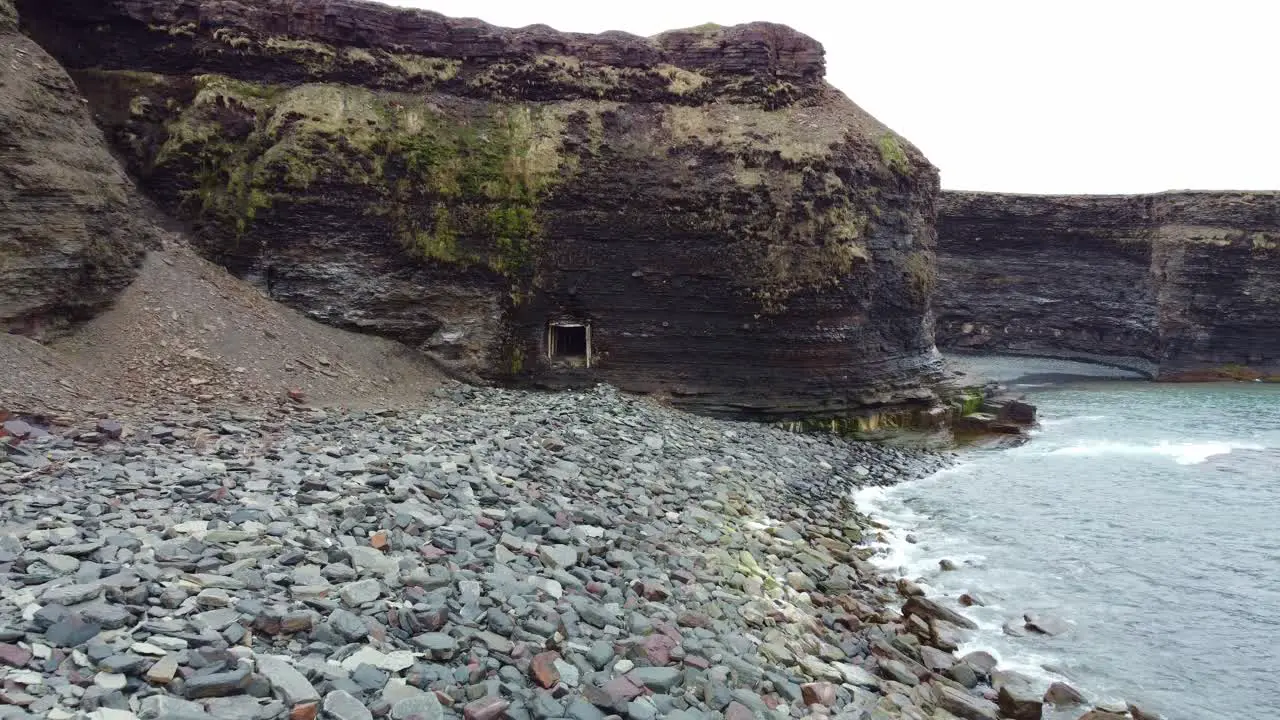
x,y
919,561
1046,562
892,549
1182,453
895,553
1071,420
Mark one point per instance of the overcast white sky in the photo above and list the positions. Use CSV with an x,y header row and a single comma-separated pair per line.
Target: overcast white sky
x,y
1076,96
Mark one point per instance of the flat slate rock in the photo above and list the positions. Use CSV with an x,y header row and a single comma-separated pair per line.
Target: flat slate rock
x,y
287,683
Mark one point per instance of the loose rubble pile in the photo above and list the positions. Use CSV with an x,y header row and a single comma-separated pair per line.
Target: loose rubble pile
x,y
498,554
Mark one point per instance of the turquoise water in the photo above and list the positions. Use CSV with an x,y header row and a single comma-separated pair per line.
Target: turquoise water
x,y
1145,515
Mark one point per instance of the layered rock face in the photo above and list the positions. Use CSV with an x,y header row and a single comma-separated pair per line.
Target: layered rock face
x,y
70,231
1180,285
697,214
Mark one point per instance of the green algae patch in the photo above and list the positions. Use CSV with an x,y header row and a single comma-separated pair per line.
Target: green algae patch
x,y
968,402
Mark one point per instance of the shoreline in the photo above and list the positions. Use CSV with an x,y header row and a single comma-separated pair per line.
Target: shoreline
x,y
496,554
1034,674
580,555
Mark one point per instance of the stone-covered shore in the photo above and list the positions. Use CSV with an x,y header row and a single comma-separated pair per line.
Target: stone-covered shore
x,y
497,554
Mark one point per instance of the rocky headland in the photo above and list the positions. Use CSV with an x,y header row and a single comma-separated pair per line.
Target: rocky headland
x,y
697,214
1178,285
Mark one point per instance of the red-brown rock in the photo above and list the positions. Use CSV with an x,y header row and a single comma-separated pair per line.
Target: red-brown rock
x,y
14,655
486,708
650,590
657,649
622,690
543,669
431,552
818,693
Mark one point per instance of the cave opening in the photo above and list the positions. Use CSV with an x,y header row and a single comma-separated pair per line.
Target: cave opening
x,y
569,342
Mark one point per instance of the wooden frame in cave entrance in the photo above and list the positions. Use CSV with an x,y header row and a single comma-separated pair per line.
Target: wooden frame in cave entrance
x,y
569,342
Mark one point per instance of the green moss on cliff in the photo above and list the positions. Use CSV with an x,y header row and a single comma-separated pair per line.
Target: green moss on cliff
x,y
892,154
185,29
790,133
8,15
922,273
421,67
462,183
321,59
232,38
804,249
680,81
482,183
1262,242
458,189
810,226
297,46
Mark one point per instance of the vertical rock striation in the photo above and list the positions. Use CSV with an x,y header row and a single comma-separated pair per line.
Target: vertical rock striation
x,y
70,233
734,232
1179,285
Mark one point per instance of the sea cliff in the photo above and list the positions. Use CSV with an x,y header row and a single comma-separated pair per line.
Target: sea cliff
x,y
71,228
1178,285
698,214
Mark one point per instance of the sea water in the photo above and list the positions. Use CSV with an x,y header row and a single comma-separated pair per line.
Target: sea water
x,y
1145,515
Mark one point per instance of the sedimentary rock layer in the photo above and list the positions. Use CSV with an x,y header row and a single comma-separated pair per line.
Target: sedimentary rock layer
x,y
70,236
1176,285
733,231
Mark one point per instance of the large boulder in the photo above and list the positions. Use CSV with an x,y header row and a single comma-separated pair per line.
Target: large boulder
x,y
932,610
697,214
1061,694
962,704
71,232
1020,701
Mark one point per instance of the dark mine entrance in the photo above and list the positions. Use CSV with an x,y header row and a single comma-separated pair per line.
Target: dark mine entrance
x,y
569,342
